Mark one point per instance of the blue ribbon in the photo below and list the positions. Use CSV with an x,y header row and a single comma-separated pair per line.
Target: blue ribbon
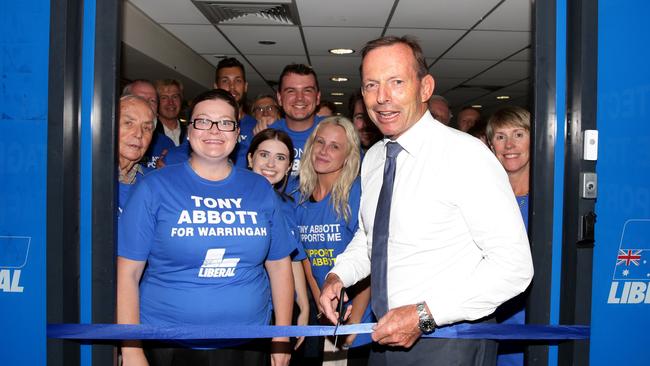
x,y
89,333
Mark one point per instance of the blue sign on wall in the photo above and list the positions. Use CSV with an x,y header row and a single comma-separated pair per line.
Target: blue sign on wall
x,y
23,159
621,276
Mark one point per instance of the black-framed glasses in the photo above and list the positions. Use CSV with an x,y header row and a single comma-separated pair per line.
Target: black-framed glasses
x,y
265,108
225,125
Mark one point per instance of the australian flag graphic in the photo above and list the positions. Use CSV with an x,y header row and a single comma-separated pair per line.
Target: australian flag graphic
x,y
633,256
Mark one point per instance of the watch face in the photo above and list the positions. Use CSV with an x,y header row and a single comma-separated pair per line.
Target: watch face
x,y
427,325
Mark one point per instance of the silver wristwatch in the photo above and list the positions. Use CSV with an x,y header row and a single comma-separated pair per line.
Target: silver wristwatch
x,y
427,325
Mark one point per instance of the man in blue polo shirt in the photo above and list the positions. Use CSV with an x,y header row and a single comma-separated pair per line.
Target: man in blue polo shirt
x,y
299,96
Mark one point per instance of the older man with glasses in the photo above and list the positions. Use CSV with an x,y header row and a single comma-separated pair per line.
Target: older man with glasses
x,y
265,109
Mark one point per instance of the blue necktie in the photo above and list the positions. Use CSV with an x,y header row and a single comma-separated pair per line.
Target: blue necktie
x,y
378,269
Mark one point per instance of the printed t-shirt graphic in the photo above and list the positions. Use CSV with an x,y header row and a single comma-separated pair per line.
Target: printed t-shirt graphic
x,y
206,243
325,236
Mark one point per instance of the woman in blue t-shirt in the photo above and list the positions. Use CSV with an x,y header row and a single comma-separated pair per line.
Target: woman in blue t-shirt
x,y
327,216
508,133
205,243
271,154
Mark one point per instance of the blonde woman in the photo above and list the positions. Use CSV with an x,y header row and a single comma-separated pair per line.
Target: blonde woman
x,y
328,205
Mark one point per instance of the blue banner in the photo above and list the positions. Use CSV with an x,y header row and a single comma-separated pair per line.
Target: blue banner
x,y
23,159
621,277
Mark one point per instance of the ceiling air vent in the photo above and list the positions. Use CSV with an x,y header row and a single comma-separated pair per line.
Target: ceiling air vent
x,y
219,12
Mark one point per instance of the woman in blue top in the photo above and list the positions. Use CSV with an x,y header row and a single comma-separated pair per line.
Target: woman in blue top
x,y
508,132
327,216
271,154
214,243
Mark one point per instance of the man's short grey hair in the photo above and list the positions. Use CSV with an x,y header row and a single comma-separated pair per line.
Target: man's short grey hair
x,y
128,89
133,97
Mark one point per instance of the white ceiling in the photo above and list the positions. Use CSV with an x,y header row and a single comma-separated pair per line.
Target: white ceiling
x,y
475,49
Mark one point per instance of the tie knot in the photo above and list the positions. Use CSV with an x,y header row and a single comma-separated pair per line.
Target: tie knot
x,y
393,149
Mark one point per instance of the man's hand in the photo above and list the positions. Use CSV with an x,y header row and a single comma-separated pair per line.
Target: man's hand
x,y
399,327
262,125
329,298
160,163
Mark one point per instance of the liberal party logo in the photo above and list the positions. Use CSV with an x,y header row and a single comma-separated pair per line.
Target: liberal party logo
x,y
13,257
215,265
631,280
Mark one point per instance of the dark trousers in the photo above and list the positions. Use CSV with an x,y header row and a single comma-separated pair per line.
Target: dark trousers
x,y
254,353
433,351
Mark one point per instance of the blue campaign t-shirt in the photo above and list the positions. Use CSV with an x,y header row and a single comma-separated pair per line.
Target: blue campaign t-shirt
x,y
325,236
178,154
246,126
206,243
299,138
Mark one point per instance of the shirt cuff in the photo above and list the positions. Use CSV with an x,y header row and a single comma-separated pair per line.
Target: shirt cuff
x,y
346,275
445,313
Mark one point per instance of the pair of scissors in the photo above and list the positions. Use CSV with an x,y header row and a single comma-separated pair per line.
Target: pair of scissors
x,y
341,315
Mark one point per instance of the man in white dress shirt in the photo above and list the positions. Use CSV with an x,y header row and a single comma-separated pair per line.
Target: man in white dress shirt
x,y
456,245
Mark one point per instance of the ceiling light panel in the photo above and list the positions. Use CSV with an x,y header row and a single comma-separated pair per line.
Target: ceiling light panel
x,y
271,65
336,65
458,68
443,84
525,55
321,39
332,13
171,11
448,14
510,16
341,51
464,95
490,45
246,38
433,41
201,38
508,70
